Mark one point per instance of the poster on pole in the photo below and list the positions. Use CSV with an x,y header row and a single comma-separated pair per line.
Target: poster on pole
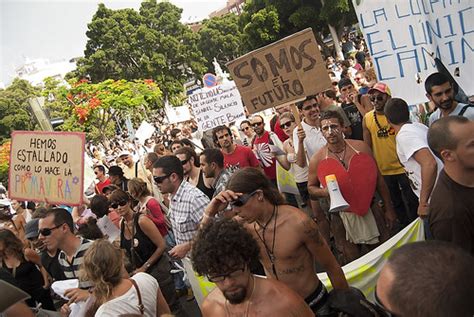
x,y
47,166
404,36
216,106
282,72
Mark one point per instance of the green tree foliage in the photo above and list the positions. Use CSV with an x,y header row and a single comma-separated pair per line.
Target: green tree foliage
x,y
151,43
265,21
95,108
14,108
220,38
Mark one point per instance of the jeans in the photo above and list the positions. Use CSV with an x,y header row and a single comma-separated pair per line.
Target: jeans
x,y
178,277
405,202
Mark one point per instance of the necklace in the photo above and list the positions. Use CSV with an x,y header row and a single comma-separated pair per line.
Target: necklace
x,y
382,132
249,301
270,252
340,159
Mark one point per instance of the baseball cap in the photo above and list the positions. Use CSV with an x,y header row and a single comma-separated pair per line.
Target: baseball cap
x,y
31,229
381,87
123,153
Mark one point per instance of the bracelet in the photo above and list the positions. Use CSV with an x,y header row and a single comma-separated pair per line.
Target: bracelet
x,y
147,265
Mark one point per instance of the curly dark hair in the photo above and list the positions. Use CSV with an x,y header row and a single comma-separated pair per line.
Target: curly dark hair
x,y
221,246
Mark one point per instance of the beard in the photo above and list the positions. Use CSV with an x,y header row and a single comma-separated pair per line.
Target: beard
x,y
236,297
445,105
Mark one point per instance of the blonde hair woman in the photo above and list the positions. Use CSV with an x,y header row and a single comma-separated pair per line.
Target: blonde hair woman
x,y
114,293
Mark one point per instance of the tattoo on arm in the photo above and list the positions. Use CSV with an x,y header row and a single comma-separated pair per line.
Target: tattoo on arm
x,y
310,229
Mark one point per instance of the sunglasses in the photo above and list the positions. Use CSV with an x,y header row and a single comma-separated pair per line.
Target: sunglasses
x,y
115,205
378,98
242,200
160,179
286,125
184,161
257,124
334,83
47,231
96,173
220,278
245,129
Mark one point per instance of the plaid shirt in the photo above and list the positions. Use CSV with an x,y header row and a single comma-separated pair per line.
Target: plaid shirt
x,y
186,210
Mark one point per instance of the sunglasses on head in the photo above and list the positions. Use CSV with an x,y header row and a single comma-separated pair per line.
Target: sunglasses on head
x,y
47,231
286,125
242,200
378,98
257,124
160,179
115,205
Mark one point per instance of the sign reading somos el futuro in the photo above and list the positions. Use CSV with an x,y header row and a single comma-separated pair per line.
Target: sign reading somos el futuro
x,y
401,35
287,70
47,166
216,106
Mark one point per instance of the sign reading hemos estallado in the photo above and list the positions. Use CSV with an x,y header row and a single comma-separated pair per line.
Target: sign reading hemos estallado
x,y
280,73
47,166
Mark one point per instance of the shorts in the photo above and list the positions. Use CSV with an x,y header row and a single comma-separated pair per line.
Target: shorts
x,y
318,301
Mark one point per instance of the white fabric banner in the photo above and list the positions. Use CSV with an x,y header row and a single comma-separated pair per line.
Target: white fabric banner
x,y
401,35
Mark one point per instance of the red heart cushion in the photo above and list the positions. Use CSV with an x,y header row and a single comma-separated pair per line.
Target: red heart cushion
x,y
357,184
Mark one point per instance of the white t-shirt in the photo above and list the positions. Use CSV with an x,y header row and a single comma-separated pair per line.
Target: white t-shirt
x,y
128,302
313,142
411,138
469,113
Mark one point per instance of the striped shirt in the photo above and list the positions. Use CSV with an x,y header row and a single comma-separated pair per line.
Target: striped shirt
x,y
186,210
71,269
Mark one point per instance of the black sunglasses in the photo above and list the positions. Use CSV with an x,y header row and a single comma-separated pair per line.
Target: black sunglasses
x,y
242,200
286,125
184,161
245,129
160,179
220,278
257,124
378,98
121,203
47,231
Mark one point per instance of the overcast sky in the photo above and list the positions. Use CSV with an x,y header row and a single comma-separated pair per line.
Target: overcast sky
x,y
57,29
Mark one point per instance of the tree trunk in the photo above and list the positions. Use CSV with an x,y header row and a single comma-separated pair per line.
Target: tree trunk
x,y
335,40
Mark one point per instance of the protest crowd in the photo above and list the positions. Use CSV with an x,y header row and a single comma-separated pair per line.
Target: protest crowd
x,y
216,205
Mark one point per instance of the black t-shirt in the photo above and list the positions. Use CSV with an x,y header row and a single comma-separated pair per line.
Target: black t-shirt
x,y
52,266
451,214
356,120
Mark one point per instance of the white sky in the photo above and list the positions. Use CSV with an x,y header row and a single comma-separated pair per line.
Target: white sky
x,y
57,29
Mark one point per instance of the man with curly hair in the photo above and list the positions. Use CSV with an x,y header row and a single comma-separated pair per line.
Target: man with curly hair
x,y
223,251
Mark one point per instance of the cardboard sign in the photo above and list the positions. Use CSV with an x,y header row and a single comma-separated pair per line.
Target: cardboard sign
x,y
280,73
401,35
216,106
47,166
177,114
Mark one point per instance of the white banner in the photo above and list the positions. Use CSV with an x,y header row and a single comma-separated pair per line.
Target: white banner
x,y
401,35
144,131
178,114
216,106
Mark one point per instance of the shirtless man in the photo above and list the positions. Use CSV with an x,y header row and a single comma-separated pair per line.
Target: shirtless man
x,y
222,251
341,151
290,242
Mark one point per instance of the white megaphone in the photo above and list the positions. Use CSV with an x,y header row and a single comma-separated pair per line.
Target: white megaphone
x,y
338,203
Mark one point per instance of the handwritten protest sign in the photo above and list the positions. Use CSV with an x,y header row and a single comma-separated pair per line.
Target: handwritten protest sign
x,y
282,72
47,165
216,106
401,35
